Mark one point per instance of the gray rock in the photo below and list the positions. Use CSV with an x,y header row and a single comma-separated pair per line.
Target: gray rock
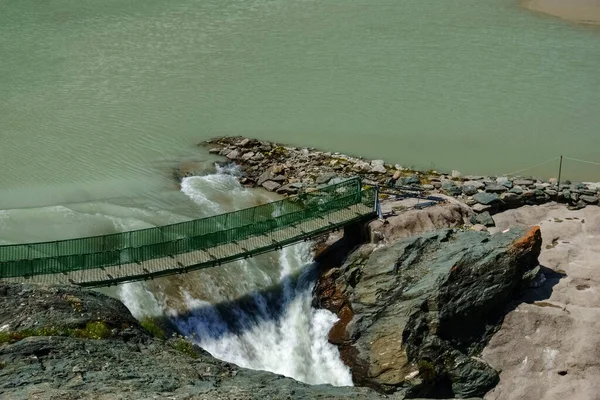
x,y
244,142
428,187
483,218
426,317
411,180
234,154
451,189
247,156
325,178
486,198
290,189
475,184
495,188
375,163
469,190
271,186
574,196
516,190
523,182
578,205
479,228
473,177
566,195
511,198
378,169
214,150
589,199
479,208
507,184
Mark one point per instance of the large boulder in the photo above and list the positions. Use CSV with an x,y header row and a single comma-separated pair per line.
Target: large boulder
x,y
414,315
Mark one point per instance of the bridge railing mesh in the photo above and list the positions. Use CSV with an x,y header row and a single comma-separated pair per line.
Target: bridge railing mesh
x,y
146,244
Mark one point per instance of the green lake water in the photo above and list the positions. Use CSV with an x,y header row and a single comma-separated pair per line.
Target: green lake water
x,y
100,99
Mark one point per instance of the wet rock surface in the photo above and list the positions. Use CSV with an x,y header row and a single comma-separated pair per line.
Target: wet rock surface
x,y
415,314
71,343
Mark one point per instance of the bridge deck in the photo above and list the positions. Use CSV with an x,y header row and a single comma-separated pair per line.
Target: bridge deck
x,y
199,259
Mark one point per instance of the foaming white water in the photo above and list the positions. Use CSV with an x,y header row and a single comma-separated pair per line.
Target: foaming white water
x,y
139,300
280,333
237,314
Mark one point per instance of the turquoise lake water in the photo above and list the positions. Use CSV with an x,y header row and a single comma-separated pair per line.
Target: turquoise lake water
x,y
99,100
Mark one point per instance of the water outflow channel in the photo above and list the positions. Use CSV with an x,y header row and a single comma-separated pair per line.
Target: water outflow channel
x,y
255,313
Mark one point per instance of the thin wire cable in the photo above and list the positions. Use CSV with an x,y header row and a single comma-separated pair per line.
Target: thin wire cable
x,y
583,161
535,166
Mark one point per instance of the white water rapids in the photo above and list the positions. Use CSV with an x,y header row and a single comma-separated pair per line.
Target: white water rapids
x,y
255,313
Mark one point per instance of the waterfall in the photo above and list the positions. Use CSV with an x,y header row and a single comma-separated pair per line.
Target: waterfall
x,y
255,313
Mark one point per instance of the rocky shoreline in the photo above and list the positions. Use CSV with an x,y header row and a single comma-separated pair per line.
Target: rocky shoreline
x,y
289,170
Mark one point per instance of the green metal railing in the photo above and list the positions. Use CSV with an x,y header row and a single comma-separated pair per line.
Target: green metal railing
x,y
140,245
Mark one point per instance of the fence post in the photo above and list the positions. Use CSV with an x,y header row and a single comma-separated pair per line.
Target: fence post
x,y
559,176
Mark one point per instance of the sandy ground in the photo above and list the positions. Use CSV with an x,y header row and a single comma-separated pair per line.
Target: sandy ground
x,y
549,346
580,11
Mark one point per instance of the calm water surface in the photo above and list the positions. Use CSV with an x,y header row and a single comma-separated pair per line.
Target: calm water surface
x,y
98,100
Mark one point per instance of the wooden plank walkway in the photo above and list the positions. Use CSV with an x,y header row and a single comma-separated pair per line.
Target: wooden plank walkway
x,y
199,259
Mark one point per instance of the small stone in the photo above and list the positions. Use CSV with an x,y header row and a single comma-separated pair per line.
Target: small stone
x,y
456,174
214,150
378,169
577,206
479,228
475,184
292,188
486,198
361,166
575,197
495,188
516,190
375,163
325,178
484,218
479,208
469,190
247,156
244,142
258,156
271,186
523,182
278,178
511,198
451,188
232,155
397,175
566,195
411,180
589,199
551,193
428,186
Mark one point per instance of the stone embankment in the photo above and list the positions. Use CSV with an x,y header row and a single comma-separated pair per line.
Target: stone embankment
x,y
288,170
